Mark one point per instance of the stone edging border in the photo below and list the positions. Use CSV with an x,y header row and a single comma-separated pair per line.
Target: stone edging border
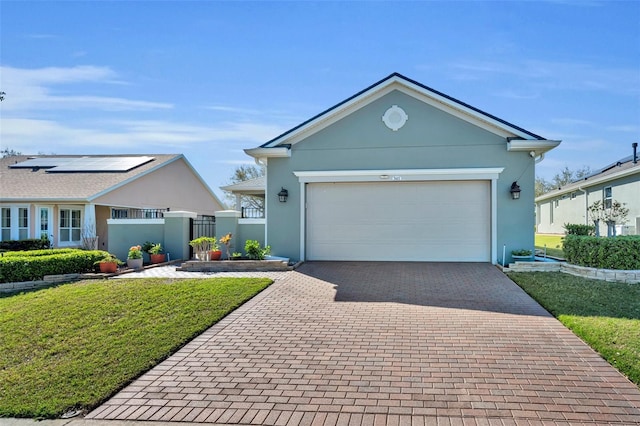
x,y
611,275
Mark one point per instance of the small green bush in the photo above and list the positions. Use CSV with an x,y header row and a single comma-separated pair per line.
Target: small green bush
x,y
36,253
31,266
255,251
579,229
621,252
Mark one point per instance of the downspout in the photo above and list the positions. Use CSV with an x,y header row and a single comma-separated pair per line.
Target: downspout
x,y
540,158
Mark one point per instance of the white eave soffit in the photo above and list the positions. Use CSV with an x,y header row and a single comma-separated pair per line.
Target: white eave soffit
x,y
536,146
396,83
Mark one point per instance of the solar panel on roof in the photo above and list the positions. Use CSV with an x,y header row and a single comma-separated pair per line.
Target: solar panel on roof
x,y
84,164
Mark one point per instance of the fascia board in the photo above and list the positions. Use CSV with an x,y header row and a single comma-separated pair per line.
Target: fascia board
x,y
588,183
406,175
275,152
536,145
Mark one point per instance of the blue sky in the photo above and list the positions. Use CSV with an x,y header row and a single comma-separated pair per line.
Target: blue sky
x,y
209,79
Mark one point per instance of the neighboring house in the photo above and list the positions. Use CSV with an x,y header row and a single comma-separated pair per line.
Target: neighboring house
x,y
619,181
70,197
400,172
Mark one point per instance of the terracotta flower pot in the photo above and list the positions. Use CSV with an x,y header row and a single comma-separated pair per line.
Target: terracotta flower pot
x,y
108,267
157,258
215,254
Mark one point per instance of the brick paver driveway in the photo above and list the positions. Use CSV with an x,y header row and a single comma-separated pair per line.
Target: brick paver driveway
x,y
384,343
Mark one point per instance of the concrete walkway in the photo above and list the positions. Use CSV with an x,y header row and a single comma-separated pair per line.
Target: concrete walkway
x,y
359,343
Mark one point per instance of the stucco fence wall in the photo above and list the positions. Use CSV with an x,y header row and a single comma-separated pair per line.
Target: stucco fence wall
x,y
611,275
173,232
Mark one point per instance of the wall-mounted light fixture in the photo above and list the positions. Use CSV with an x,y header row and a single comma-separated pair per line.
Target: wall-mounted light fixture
x,y
282,195
515,191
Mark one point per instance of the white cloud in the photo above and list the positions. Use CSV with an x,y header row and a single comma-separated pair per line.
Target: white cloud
x,y
626,128
31,135
553,75
31,90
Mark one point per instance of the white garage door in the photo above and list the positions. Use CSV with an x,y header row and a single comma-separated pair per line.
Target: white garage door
x,y
394,221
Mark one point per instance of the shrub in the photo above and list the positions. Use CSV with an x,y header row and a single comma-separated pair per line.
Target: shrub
x,y
579,229
31,244
27,266
622,252
255,251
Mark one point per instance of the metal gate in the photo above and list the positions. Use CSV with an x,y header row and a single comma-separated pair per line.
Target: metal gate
x,y
202,226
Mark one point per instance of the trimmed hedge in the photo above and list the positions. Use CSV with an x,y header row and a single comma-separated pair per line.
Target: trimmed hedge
x,y
621,252
31,244
29,266
579,229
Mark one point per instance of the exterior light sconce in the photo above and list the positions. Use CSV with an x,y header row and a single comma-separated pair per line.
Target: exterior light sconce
x,y
515,191
282,195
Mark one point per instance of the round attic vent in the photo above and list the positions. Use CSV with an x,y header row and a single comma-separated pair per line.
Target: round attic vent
x,y
395,117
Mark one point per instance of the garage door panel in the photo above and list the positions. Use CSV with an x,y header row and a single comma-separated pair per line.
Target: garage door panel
x,y
417,221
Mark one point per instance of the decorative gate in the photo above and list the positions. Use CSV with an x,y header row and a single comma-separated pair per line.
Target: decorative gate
x,y
202,226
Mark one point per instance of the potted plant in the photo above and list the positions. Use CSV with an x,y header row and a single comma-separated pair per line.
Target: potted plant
x,y
155,253
522,254
202,247
134,257
109,264
214,250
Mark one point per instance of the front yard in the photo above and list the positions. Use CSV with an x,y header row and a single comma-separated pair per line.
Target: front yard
x,y
605,315
553,243
73,346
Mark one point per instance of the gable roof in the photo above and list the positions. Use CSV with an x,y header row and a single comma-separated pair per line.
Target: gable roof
x,y
38,184
397,81
249,187
620,169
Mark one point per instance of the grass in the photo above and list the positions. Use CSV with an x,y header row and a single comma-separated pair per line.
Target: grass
x,y
75,345
605,315
553,242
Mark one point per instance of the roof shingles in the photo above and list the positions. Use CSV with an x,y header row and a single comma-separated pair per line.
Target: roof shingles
x,y
27,184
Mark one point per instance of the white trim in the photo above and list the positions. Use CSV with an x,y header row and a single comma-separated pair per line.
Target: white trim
x,y
263,153
494,221
398,175
135,221
228,213
249,221
303,220
318,176
538,147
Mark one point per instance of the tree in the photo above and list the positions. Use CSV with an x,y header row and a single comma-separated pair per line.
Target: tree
x,y
6,152
617,213
2,96
244,173
563,178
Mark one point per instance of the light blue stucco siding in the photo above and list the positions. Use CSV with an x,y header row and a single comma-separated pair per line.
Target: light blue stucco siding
x,y
430,139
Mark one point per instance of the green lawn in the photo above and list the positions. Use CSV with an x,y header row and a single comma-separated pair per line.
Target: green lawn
x,y
553,242
605,315
74,345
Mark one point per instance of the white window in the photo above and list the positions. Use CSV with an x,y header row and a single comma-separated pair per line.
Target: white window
x,y
70,225
6,224
45,222
607,197
23,223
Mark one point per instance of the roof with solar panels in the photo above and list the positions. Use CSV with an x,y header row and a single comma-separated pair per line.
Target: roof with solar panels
x,y
73,177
